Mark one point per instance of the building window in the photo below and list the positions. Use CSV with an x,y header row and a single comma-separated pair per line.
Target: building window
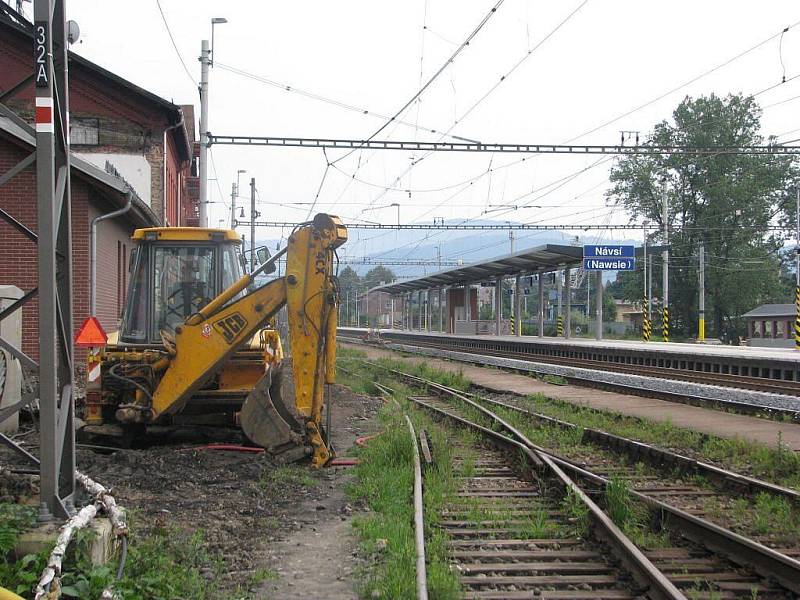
x,y
84,131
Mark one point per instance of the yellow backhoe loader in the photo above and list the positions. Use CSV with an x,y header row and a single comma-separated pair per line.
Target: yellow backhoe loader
x,y
196,345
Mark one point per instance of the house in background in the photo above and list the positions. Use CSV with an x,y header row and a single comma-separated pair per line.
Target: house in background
x,y
771,325
146,138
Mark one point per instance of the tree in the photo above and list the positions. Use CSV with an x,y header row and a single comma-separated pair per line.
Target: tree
x,y
723,201
378,275
348,279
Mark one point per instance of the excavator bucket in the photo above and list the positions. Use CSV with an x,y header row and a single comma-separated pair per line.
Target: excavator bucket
x,y
269,419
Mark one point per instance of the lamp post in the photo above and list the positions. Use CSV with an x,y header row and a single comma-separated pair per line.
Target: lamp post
x,y
234,196
205,63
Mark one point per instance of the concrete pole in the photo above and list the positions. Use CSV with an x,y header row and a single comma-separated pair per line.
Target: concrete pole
x,y
518,305
645,305
498,304
232,224
203,166
665,260
650,290
420,317
797,278
391,313
598,299
541,304
252,222
467,303
429,310
568,296
701,325
441,309
559,293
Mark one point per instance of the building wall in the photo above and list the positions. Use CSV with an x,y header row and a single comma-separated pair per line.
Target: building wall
x,y
133,167
128,124
18,254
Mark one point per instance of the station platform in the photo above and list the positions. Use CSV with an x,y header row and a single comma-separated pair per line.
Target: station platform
x,y
704,420
771,363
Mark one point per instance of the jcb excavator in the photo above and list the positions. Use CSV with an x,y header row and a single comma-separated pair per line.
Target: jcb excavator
x,y
195,344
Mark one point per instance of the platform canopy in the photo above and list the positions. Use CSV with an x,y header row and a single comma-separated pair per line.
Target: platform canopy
x,y
541,259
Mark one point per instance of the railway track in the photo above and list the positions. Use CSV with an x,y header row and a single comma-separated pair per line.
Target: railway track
x,y
499,554
758,384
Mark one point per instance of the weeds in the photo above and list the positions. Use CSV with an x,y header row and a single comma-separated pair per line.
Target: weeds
x,y
577,513
631,516
286,475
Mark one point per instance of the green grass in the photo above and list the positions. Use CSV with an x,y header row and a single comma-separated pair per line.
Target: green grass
x,y
631,516
166,564
384,482
777,463
286,475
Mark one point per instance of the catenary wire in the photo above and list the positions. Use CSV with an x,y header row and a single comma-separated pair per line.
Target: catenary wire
x,y
174,45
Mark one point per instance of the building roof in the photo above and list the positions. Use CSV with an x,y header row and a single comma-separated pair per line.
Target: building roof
x,y
141,214
771,310
12,19
541,259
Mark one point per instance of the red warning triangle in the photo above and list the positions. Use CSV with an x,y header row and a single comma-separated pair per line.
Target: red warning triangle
x,y
91,333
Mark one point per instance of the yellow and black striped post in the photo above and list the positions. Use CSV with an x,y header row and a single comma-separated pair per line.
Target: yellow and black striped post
x,y
645,322
560,326
665,325
513,331
797,318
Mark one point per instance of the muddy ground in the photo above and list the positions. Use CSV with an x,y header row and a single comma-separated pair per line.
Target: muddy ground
x,y
258,517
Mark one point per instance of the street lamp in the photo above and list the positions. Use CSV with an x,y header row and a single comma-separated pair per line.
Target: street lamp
x,y
215,21
205,64
234,196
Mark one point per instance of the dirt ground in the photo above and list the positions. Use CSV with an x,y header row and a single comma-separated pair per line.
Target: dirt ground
x,y
253,514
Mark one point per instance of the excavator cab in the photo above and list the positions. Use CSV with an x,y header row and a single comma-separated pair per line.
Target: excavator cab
x,y
175,272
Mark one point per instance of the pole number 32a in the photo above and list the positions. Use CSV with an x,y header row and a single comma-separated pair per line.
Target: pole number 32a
x,y
41,54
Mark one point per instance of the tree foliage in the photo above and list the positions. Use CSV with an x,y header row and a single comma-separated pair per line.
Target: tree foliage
x,y
723,201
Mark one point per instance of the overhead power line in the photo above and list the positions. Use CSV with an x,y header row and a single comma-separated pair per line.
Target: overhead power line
x,y
295,142
505,227
333,102
174,45
433,77
689,82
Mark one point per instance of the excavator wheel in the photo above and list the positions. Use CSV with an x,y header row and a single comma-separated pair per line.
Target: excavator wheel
x,y
269,418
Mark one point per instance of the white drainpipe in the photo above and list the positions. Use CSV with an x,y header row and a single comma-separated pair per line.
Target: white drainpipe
x,y
93,250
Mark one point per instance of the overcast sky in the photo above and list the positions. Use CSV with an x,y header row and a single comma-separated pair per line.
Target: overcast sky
x,y
608,58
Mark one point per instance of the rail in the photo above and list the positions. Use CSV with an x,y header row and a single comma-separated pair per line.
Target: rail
x,y
419,523
767,562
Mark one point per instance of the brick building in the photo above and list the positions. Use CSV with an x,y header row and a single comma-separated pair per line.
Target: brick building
x,y
94,192
147,139
122,136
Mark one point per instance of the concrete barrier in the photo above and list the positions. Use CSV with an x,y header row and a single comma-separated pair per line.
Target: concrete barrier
x,y
10,371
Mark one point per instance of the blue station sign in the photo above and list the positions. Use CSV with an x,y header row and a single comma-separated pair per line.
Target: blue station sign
x,y
604,257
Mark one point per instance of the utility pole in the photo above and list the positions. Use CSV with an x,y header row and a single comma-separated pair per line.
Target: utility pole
x,y
797,278
701,329
252,222
56,350
203,168
646,303
234,193
511,239
665,260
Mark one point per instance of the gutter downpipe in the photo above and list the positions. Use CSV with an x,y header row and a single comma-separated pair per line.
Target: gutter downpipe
x,y
93,249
